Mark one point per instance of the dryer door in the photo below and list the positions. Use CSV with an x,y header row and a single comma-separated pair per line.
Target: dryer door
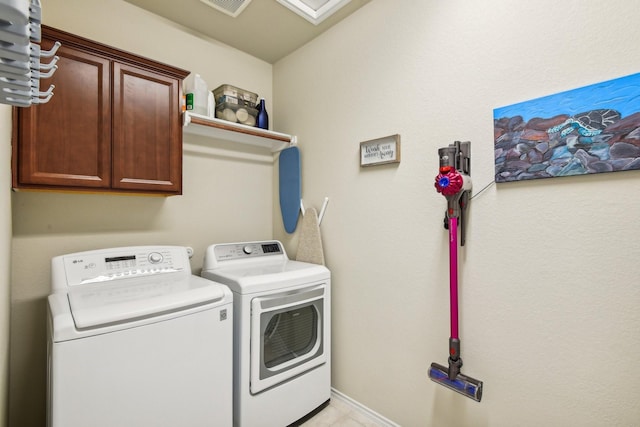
x,y
287,335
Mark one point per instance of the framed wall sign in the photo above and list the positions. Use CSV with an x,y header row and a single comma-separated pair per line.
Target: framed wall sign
x,y
380,151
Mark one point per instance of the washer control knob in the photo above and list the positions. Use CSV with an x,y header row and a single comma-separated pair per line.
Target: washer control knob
x,y
155,257
247,250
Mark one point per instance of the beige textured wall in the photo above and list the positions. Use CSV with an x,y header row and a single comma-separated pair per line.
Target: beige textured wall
x,y
5,258
549,289
227,189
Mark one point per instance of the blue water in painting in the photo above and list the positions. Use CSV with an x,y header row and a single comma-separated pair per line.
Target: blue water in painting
x,y
621,94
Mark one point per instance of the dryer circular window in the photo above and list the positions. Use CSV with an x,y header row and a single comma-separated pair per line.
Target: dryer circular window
x,y
288,330
282,328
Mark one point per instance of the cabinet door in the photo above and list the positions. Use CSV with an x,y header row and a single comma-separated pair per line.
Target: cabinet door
x,y
67,141
147,133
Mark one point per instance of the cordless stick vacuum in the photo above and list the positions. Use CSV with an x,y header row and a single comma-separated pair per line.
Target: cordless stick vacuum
x,y
454,183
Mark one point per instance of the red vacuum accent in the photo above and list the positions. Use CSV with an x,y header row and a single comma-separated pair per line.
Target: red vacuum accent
x,y
449,182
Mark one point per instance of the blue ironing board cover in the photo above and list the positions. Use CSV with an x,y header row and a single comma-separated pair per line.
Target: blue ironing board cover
x,y
290,187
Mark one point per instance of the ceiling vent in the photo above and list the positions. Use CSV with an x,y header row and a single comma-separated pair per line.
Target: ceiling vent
x,y
230,7
314,11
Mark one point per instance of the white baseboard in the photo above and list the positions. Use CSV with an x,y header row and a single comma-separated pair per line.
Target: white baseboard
x,y
369,413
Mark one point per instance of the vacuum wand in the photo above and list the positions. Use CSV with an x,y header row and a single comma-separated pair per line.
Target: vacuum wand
x,y
454,340
454,183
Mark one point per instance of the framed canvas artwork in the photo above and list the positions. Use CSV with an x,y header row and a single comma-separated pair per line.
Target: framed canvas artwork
x,y
593,129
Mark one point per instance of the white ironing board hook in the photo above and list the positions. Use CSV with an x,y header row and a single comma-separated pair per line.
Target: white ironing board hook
x,y
322,210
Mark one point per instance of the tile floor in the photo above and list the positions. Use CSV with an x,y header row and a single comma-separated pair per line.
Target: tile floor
x,y
339,413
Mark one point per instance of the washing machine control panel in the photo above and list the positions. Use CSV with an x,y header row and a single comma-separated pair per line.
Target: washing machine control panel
x,y
122,263
234,251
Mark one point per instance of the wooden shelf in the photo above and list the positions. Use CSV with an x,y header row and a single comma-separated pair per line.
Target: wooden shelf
x,y
197,124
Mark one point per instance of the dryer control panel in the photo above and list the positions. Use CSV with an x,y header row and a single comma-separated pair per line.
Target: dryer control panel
x,y
233,251
242,254
118,263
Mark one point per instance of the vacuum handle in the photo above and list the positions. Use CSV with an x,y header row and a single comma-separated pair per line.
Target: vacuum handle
x,y
453,275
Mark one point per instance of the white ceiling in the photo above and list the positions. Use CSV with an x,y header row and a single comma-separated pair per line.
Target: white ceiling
x,y
265,29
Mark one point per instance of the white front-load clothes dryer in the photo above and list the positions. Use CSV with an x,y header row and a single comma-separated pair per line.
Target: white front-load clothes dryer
x,y
282,326
136,340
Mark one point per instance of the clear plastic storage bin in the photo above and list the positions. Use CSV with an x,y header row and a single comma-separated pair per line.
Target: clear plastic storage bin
x,y
231,94
236,113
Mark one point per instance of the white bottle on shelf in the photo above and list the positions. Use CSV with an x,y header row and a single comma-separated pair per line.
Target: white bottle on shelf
x,y
200,94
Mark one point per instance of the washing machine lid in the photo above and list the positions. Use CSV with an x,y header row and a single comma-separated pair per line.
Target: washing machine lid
x,y
117,301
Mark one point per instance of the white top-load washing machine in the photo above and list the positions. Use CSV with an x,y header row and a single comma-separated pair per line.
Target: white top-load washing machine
x,y
282,326
136,340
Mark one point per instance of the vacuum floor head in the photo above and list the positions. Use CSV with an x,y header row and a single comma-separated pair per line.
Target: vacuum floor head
x,y
462,384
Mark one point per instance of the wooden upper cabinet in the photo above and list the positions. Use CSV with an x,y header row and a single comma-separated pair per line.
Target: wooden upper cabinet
x,y
145,155
113,123
67,141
